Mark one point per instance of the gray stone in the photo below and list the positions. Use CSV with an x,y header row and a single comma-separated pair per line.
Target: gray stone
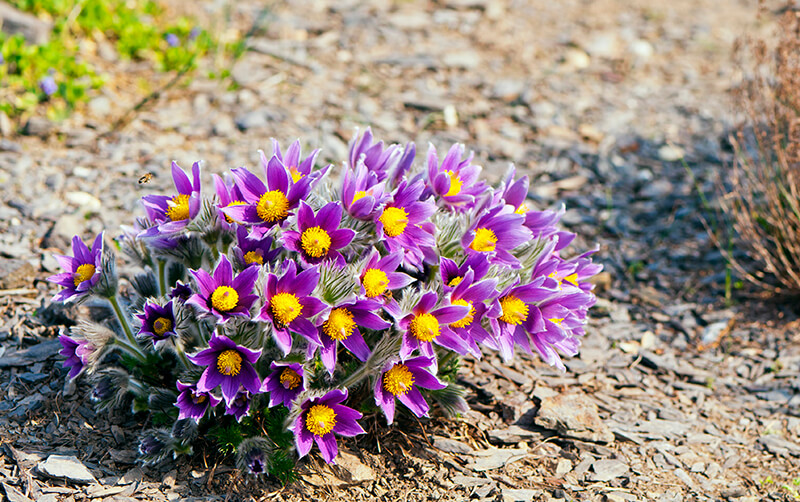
x,y
38,126
9,146
520,495
14,21
31,355
223,126
467,60
452,446
670,153
573,416
16,274
352,470
100,106
513,434
606,470
779,446
66,467
251,120
6,127
495,458
15,495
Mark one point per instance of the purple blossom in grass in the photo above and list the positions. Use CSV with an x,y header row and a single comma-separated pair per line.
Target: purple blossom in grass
x,y
362,193
402,225
288,306
227,365
455,181
473,294
194,33
320,237
171,215
48,85
192,402
497,232
172,39
320,419
158,323
342,326
256,251
81,270
181,292
240,406
452,274
379,277
298,168
285,383
76,352
228,194
402,380
426,325
374,156
223,295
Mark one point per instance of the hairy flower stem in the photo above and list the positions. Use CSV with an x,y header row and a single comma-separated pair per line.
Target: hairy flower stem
x,y
162,277
126,327
178,345
132,350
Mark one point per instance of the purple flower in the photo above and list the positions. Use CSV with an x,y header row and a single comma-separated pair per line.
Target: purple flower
x,y
228,365
514,314
249,251
194,33
452,274
473,294
322,417
298,168
342,326
362,193
76,352
158,322
224,295
240,406
48,85
497,232
172,39
456,180
228,195
193,403
171,215
285,383
379,277
425,325
320,237
402,380
82,270
288,306
374,156
402,225
181,292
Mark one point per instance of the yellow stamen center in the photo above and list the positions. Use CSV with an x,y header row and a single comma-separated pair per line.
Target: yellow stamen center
x,y
315,242
290,379
83,273
359,195
340,324
224,298
522,209
229,363
557,320
425,327
296,175
162,325
395,221
484,241
515,311
285,308
273,206
198,398
455,184
251,257
375,282
179,208
234,203
455,281
572,279
320,420
398,380
467,319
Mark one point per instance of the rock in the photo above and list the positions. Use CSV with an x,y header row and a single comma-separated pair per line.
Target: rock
x,y
606,470
352,470
30,355
223,126
251,120
576,59
13,21
452,446
15,495
132,476
495,458
513,435
80,138
467,60
16,273
779,446
6,127
470,481
100,106
38,126
657,189
642,49
9,146
670,153
85,201
563,466
520,495
65,467
573,416
604,45
508,89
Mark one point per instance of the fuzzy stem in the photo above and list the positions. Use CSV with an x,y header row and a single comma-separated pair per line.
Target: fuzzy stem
x,y
162,277
123,321
132,350
181,354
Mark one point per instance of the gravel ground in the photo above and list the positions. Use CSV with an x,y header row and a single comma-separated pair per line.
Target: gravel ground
x,y
676,395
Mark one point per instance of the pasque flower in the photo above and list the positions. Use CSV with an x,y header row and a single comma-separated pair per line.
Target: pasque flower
x,y
77,352
223,295
171,215
285,383
297,168
426,325
513,315
473,294
240,406
455,181
229,366
254,250
452,274
497,232
228,194
401,381
81,271
342,326
402,225
319,238
158,322
193,403
320,419
374,156
362,193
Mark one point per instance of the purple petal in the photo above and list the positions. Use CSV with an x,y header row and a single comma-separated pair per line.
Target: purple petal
x,y
414,402
327,447
182,182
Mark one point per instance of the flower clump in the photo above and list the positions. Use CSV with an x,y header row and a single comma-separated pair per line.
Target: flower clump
x,y
267,313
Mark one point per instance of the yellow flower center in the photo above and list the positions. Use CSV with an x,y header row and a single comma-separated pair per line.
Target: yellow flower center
x,y
398,380
83,273
290,379
229,363
179,208
514,310
162,325
425,327
340,324
251,257
359,195
234,203
395,221
375,282
198,398
556,320
273,206
572,279
455,184
224,298
296,175
455,281
522,209
467,319
285,308
484,241
315,242
320,420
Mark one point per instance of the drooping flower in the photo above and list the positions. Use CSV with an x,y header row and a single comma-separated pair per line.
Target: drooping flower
x,y
81,271
240,406
455,181
473,294
76,351
401,381
320,237
402,225
158,323
426,325
374,156
342,326
181,292
193,403
253,455
229,366
288,305
362,193
285,383
298,168
48,85
171,215
249,251
228,194
172,40
223,295
452,274
320,419
497,232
